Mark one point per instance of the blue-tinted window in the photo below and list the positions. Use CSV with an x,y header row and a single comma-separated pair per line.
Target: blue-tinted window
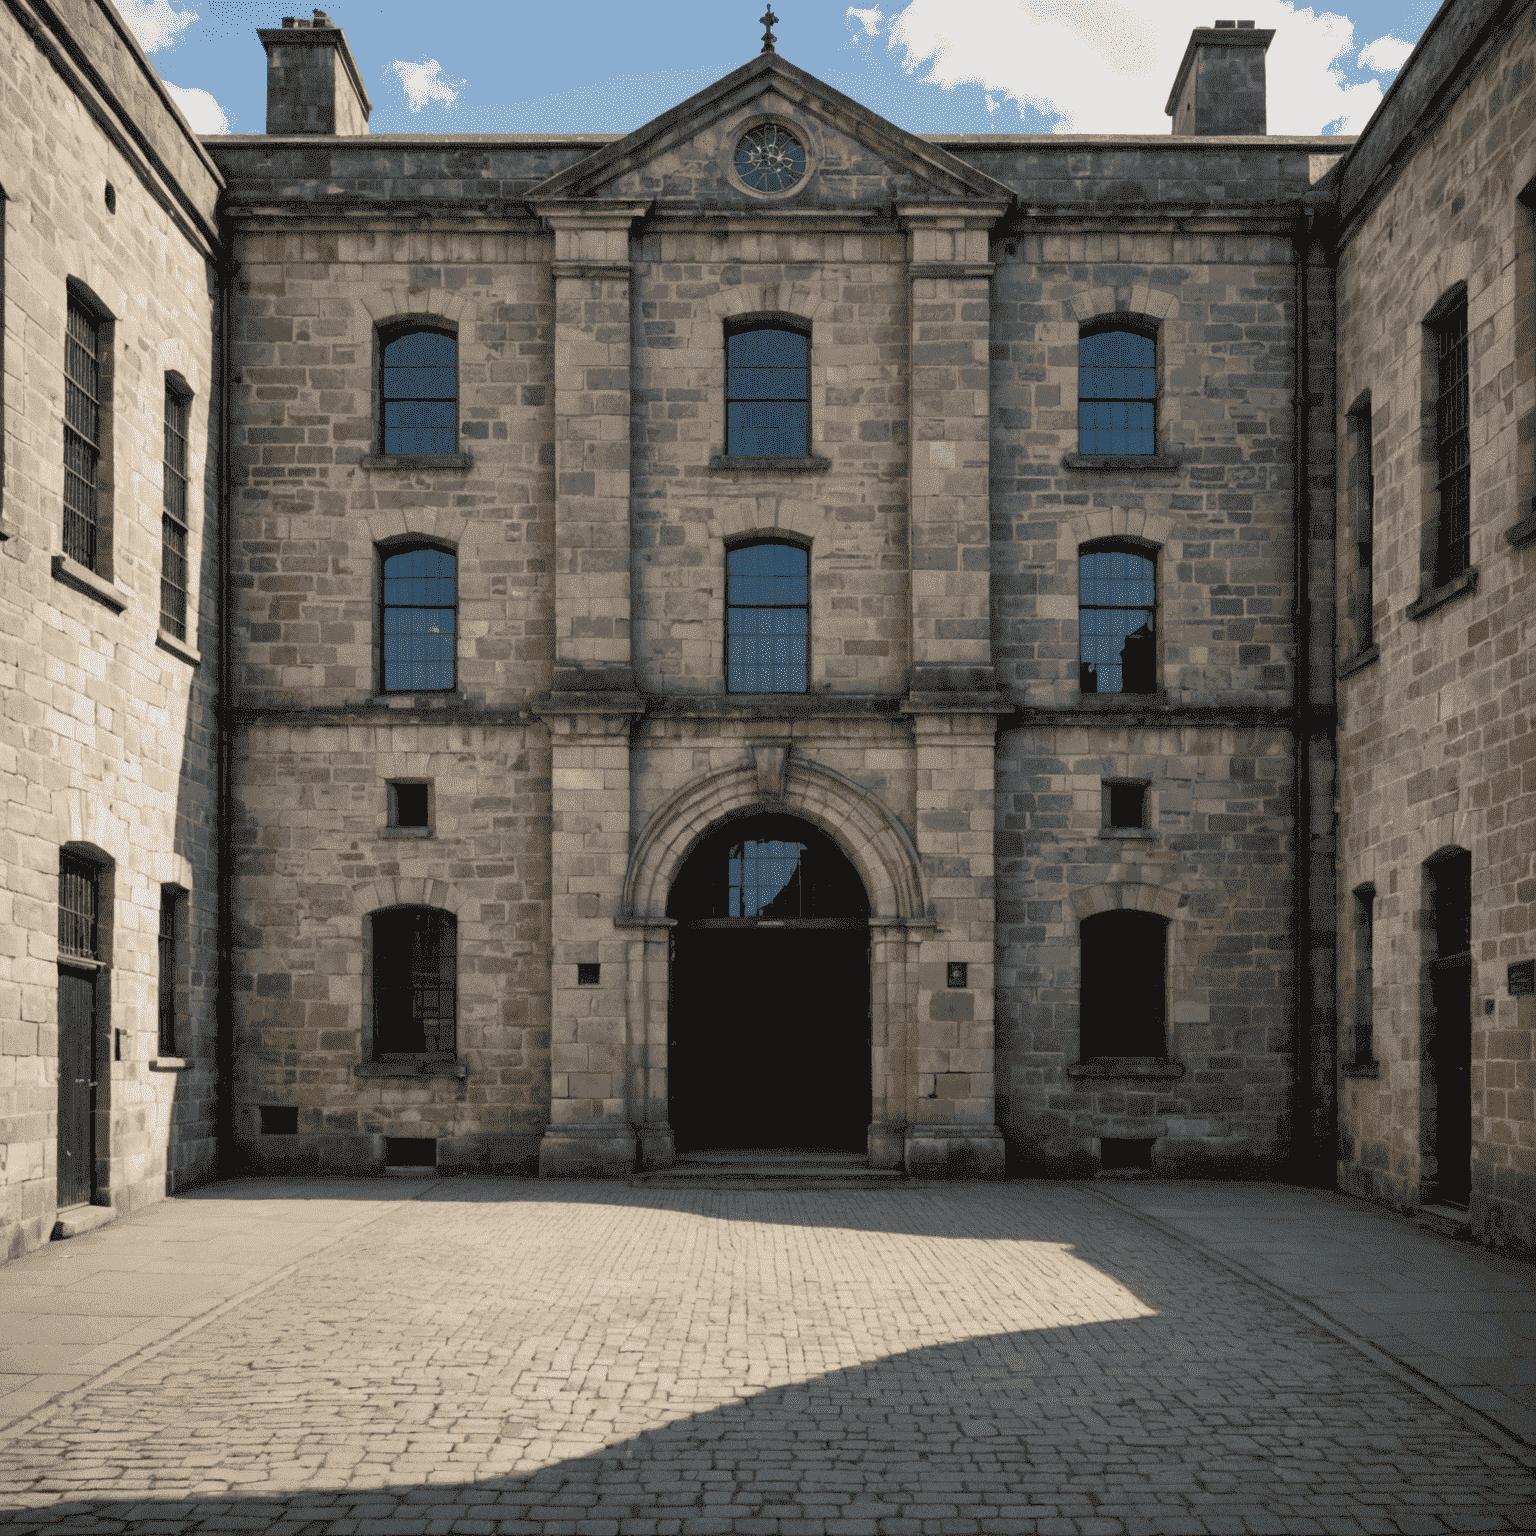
x,y
418,637
768,618
420,393
1117,393
767,391
1117,609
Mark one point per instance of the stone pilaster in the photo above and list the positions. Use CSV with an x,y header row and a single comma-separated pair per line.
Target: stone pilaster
x,y
590,1132
592,448
649,945
950,273
952,1132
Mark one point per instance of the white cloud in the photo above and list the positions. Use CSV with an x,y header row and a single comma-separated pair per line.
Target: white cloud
x,y
425,82
154,23
1387,54
199,108
870,20
1107,66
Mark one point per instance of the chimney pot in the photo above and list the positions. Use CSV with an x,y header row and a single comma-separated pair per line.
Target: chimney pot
x,y
1220,86
313,85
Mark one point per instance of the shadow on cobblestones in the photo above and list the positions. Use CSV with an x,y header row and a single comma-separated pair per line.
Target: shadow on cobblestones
x,y
605,1361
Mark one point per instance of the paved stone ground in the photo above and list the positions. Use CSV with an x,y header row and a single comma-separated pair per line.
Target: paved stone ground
x,y
597,1360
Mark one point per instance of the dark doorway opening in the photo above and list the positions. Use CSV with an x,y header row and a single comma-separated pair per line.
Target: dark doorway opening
x,y
769,1037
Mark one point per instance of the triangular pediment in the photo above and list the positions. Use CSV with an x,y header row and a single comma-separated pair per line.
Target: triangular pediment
x,y
854,157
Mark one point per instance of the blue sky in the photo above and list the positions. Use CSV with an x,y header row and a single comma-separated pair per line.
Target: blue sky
x,y
932,66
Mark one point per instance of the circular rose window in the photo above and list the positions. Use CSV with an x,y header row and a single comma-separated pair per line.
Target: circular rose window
x,y
770,158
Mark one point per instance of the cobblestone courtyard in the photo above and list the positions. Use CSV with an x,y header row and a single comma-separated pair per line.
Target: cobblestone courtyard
x,y
508,1356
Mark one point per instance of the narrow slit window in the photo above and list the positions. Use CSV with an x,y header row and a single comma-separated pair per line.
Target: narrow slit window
x,y
82,432
173,518
1453,452
415,982
1117,393
79,906
767,392
1117,610
768,618
1365,531
420,604
1365,975
419,398
170,902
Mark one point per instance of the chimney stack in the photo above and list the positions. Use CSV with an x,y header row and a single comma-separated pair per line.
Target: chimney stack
x,y
312,81
1220,85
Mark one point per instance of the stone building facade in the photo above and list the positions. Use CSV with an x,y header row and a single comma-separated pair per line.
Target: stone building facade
x,y
773,629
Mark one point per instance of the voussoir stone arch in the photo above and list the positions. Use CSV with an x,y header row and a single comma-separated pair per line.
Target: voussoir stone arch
x,y
86,821
1118,523
407,891
1139,301
880,848
765,516
784,298
446,525
1126,896
425,306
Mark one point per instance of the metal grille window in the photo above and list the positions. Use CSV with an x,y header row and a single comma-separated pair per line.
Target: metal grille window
x,y
767,392
419,397
1122,999
768,618
415,982
79,904
1365,975
173,518
1117,393
82,432
169,902
418,620
1453,448
1117,607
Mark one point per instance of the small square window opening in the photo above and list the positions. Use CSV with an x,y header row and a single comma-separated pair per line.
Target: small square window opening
x,y
408,805
588,973
1125,805
279,1120
957,970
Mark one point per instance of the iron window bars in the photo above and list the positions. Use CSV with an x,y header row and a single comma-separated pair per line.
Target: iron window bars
x,y
767,392
169,900
1453,451
1117,393
415,982
82,432
418,620
419,395
173,518
79,907
768,618
1117,606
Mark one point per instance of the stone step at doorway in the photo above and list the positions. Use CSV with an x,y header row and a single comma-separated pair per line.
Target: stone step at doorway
x,y
771,1168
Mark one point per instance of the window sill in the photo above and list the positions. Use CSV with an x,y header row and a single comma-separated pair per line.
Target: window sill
x,y
73,574
1362,1069
1437,597
1358,663
1097,461
788,463
420,1066
419,698
1141,1069
168,642
1129,834
1110,702
170,1064
1524,532
407,832
417,461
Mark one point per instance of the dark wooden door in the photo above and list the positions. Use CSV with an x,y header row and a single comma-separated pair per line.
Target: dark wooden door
x,y
77,1086
769,1038
1451,1053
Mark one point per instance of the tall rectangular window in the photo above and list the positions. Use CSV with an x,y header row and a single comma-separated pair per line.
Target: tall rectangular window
x,y
767,392
79,903
170,903
415,982
1364,488
1365,975
1117,392
1116,617
767,618
419,613
82,432
173,518
1453,453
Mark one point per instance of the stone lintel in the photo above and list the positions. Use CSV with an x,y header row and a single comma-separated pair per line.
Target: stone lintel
x,y
916,269
955,212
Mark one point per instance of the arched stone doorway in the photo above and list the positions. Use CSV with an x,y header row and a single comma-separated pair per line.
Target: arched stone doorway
x,y
769,1022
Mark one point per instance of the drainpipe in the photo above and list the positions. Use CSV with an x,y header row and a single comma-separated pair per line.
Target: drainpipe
x,y
1303,1151
224,1049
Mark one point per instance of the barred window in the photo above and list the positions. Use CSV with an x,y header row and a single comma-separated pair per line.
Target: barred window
x,y
82,432
1117,392
767,391
419,398
420,595
173,517
768,618
79,905
1123,994
170,904
415,982
1453,451
1365,975
1117,613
